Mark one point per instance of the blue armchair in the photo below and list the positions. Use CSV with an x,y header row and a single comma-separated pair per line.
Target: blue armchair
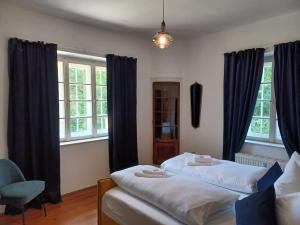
x,y
15,190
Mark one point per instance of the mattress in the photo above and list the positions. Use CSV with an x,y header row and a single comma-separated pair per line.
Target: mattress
x,y
126,209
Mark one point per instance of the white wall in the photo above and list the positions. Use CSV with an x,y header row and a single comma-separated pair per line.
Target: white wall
x,y
205,64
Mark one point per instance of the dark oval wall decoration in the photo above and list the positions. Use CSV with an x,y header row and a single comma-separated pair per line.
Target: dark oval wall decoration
x,y
196,100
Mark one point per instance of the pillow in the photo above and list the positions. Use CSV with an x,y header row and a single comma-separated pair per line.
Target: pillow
x,y
269,178
289,181
223,173
257,209
287,208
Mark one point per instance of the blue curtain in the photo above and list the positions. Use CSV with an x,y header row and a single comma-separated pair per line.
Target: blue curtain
x,y
287,93
122,126
33,126
242,76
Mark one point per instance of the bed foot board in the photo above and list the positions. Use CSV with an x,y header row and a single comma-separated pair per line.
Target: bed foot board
x,y
103,186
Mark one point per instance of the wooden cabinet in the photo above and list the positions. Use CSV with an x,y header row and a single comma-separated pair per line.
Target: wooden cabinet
x,y
166,96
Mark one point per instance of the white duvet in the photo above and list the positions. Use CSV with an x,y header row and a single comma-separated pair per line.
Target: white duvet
x,y
187,199
227,174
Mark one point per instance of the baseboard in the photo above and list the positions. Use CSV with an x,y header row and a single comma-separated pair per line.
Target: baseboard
x,y
80,190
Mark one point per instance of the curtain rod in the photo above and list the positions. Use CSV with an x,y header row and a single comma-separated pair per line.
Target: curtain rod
x,y
269,47
80,51
59,47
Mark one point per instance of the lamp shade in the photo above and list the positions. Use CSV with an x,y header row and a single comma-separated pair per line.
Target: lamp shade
x,y
162,39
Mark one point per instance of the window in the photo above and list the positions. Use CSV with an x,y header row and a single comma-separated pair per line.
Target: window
x,y
82,98
264,124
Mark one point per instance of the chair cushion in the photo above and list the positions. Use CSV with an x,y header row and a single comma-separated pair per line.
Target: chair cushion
x,y
21,193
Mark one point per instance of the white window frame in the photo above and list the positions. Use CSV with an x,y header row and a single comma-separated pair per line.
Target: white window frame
x,y
273,120
93,64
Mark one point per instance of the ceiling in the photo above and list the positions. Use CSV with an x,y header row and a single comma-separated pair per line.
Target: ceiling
x,y
184,18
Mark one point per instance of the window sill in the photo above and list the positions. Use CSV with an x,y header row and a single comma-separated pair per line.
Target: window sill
x,y
74,142
265,143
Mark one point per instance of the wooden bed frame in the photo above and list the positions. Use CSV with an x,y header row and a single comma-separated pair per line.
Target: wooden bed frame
x,y
103,186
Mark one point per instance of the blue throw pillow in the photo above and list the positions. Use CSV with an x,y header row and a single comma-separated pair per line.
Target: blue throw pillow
x,y
270,177
257,209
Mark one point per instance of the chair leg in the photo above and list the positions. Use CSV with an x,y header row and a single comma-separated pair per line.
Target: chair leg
x,y
23,216
44,204
45,210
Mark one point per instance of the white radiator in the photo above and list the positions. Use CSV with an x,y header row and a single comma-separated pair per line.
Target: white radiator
x,y
257,160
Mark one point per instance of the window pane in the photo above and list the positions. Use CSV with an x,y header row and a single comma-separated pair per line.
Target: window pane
x,y
255,125
62,133
258,109
266,91
61,109
61,91
259,96
101,107
265,126
102,125
100,75
72,75
60,71
81,127
79,73
266,109
259,128
267,73
80,108
101,92
84,92
80,92
260,124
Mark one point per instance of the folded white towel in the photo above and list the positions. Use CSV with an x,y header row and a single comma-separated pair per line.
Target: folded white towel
x,y
199,163
203,158
155,172
139,174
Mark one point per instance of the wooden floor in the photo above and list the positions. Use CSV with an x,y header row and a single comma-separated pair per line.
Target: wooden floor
x,y
77,208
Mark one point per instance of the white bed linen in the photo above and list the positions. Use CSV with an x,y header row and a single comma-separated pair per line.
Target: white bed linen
x,y
227,174
187,199
126,209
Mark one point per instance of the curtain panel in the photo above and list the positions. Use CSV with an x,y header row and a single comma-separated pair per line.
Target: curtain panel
x,y
242,76
33,111
287,93
122,125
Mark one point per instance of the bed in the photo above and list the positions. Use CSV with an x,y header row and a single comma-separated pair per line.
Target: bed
x,y
123,205
117,207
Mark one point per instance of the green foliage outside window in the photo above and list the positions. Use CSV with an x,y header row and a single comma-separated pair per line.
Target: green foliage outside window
x,y
80,99
267,72
101,108
101,92
102,123
100,76
260,124
79,125
72,75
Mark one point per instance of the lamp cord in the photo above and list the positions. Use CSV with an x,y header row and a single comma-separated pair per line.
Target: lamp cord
x,y
163,10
